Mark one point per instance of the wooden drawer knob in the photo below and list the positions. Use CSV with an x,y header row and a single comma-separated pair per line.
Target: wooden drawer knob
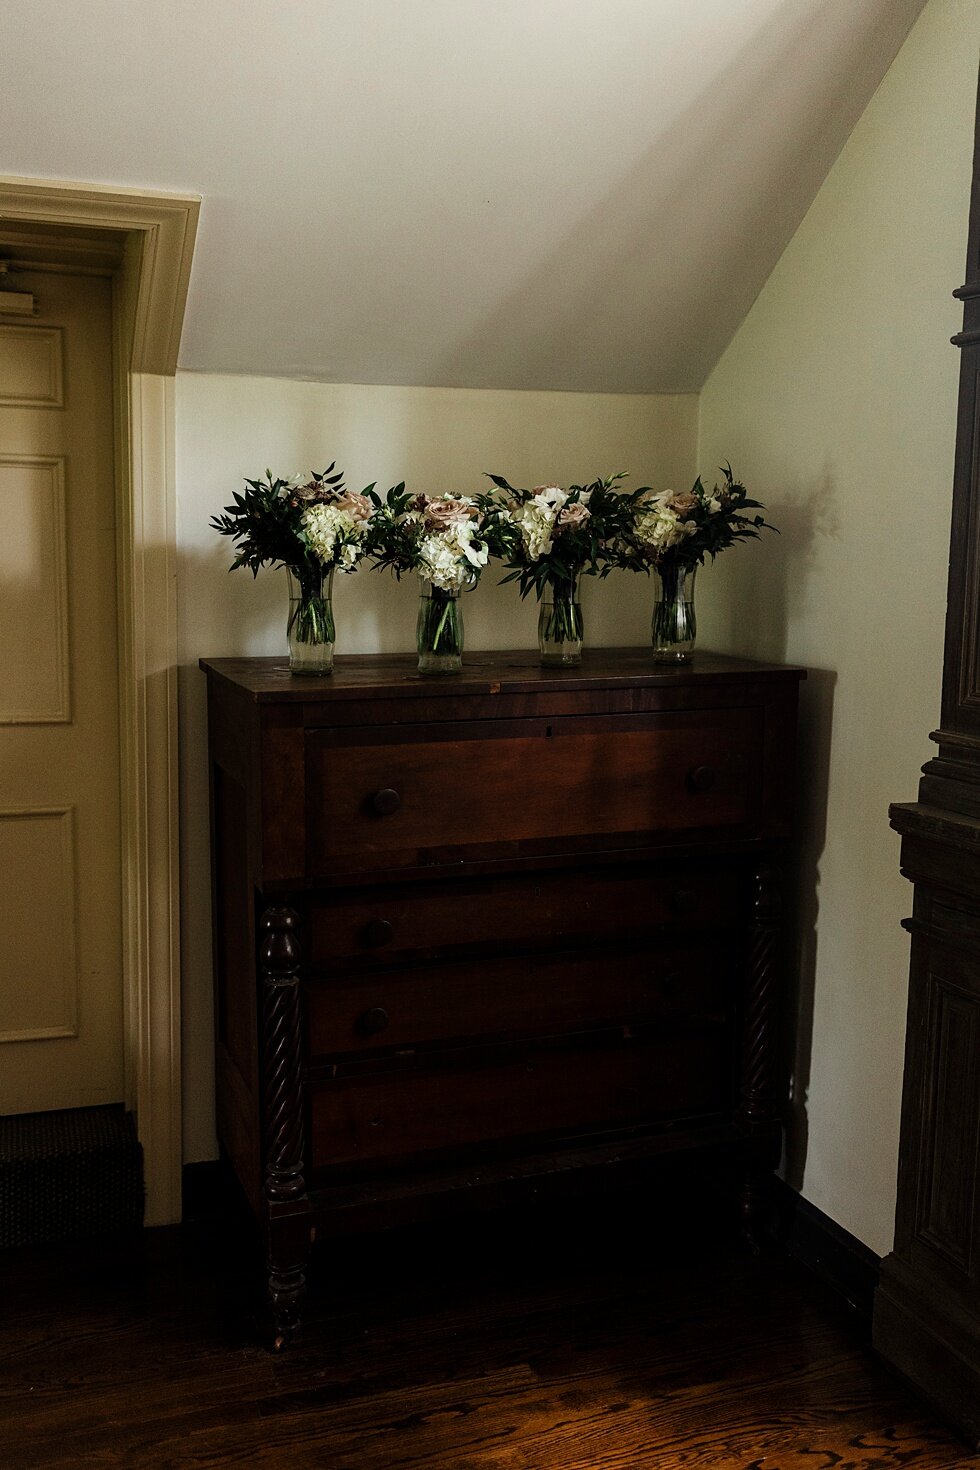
x,y
682,901
701,778
376,932
671,984
385,801
373,1021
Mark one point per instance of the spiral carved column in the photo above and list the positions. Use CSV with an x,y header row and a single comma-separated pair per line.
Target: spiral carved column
x,y
759,1115
284,1186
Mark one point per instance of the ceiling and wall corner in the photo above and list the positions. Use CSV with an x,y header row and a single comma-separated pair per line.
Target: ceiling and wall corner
x,y
565,194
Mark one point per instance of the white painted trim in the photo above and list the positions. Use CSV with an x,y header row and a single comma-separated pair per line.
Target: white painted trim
x,y
157,232
150,797
161,229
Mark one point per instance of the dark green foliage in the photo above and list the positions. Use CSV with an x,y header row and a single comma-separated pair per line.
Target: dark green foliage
x,y
717,530
716,526
266,520
399,528
592,548
394,541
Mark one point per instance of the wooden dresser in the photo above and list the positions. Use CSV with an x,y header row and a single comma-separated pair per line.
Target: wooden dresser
x,y
471,932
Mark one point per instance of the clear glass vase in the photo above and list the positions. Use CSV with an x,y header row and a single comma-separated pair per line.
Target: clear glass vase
x,y
439,631
560,627
310,629
674,623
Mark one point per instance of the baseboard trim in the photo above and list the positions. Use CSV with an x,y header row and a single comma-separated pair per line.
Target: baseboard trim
x,y
839,1261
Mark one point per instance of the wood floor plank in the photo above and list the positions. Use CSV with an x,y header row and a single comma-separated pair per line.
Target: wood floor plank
x,y
482,1351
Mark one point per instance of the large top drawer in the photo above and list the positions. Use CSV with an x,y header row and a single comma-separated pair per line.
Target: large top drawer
x,y
379,797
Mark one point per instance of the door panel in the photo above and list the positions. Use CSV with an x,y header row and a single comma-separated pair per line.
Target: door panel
x,y
31,367
37,854
33,590
60,922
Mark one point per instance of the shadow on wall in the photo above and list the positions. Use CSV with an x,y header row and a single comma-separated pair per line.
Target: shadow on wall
x,y
758,604
813,776
756,593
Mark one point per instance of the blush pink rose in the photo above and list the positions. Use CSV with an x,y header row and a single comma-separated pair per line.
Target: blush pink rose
x,y
572,516
683,502
443,511
355,504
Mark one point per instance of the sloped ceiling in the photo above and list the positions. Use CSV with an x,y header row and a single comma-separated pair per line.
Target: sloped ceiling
x,y
571,194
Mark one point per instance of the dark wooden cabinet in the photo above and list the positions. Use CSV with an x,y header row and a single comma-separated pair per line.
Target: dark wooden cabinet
x,y
473,932
927,1308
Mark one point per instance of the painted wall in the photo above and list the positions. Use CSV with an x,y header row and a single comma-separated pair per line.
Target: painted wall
x,y
836,402
436,439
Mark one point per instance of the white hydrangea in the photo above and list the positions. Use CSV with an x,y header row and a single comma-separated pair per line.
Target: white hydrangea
x,y
659,526
439,563
536,523
449,559
538,517
336,536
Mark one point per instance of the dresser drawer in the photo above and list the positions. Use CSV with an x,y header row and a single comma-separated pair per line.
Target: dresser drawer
x,y
546,993
358,927
506,787
392,1115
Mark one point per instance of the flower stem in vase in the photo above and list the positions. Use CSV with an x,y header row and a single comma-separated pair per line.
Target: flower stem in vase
x,y
310,628
439,631
560,626
675,626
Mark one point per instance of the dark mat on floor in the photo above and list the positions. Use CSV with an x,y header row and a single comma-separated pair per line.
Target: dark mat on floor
x,y
69,1175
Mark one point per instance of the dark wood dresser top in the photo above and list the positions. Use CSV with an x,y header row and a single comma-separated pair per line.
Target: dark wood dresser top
x,y
490,672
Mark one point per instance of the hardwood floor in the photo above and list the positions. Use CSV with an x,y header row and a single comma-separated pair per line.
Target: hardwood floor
x,y
571,1339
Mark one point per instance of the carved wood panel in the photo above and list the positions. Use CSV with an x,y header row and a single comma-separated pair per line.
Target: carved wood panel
x,y
950,1131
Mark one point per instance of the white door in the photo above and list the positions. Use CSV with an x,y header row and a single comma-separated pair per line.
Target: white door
x,y
61,1032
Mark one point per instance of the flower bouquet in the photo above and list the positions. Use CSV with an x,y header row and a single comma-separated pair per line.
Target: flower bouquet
x,y
442,538
549,537
673,533
311,526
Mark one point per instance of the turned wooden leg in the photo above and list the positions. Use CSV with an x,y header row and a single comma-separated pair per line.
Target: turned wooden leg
x,y
759,1115
287,1202
288,1255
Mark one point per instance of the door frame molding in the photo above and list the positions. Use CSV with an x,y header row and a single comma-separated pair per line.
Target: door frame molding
x,y
157,232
